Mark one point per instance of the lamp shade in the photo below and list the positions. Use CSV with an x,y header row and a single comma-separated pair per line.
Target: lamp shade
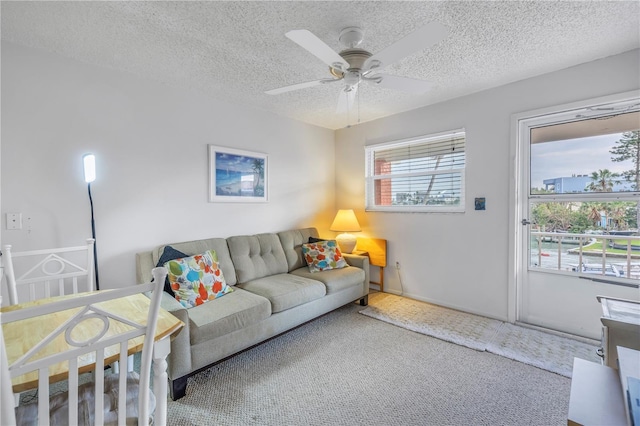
x,y
345,221
89,163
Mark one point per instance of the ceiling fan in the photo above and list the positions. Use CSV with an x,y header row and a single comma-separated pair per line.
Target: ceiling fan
x,y
354,65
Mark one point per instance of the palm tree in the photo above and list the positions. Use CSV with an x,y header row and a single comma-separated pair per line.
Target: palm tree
x,y
617,214
628,148
426,197
553,216
258,169
595,216
603,181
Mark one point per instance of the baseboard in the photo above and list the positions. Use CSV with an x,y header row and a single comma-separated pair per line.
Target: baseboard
x,y
582,339
448,305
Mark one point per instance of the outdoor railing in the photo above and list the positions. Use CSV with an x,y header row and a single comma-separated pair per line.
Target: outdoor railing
x,y
628,265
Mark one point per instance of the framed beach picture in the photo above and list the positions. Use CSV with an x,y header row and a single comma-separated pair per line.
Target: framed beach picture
x,y
237,176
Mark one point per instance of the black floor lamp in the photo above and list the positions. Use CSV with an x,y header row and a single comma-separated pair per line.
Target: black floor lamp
x,y
89,162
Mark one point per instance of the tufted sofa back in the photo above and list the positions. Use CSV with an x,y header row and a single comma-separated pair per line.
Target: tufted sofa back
x,y
292,245
242,258
256,256
192,248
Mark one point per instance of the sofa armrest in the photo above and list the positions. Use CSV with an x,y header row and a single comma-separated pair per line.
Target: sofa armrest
x,y
180,356
170,304
361,262
144,265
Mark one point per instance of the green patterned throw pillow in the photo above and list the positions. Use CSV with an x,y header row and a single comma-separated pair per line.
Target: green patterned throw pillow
x,y
196,279
323,255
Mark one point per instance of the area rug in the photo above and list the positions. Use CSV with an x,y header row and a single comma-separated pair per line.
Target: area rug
x,y
453,326
549,351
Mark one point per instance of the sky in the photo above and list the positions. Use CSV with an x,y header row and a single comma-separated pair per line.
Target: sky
x,y
570,157
236,163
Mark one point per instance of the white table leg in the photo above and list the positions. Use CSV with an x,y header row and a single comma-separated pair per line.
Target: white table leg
x,y
161,349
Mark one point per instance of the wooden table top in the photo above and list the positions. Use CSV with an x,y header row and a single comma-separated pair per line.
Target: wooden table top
x,y
377,249
20,336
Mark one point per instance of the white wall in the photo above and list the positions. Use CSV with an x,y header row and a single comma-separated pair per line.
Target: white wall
x,y
151,141
152,163
461,260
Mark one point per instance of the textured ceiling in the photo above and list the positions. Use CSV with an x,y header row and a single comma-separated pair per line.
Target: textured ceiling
x,y
234,51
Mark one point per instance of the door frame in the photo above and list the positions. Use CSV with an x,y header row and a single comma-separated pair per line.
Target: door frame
x,y
519,175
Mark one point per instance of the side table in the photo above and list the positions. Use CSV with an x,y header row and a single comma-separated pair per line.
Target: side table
x,y
376,249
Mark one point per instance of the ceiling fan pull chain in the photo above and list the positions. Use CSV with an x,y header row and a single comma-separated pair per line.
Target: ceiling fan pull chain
x,y
358,107
348,114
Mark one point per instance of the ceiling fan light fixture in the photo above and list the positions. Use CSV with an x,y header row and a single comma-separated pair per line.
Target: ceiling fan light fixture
x,y
356,59
352,78
377,79
373,64
351,36
337,68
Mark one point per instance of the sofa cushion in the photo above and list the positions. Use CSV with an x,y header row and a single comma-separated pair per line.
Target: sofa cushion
x,y
286,291
196,279
256,256
232,312
323,256
335,279
292,245
200,246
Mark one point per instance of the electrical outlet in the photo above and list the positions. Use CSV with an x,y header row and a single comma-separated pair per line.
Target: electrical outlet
x,y
14,221
397,265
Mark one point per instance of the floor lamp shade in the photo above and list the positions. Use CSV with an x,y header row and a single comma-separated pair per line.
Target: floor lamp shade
x,y
89,164
345,222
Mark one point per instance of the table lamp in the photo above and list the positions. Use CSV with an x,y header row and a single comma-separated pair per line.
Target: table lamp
x,y
345,222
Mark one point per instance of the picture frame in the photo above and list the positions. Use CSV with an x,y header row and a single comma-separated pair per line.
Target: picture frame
x,y
237,176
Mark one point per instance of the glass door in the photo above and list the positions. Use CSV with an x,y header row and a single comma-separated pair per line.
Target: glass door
x,y
580,215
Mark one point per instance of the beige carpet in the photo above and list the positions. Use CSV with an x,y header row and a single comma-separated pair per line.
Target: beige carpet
x,y
546,350
348,369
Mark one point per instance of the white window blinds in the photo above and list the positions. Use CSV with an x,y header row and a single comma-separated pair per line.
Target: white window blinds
x,y
420,174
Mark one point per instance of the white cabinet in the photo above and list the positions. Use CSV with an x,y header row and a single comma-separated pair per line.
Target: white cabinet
x,y
620,327
599,393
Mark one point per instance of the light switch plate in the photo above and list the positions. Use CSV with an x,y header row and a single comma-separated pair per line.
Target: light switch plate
x,y
14,221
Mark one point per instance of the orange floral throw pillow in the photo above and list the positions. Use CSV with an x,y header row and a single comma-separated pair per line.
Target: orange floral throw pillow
x,y
323,255
196,279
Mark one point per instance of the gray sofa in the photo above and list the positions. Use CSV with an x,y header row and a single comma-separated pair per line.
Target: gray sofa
x,y
274,291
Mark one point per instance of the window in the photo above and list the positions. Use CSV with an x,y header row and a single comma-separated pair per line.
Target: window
x,y
424,174
584,182
586,156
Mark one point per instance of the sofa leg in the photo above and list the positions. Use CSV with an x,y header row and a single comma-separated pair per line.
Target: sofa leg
x,y
364,301
178,388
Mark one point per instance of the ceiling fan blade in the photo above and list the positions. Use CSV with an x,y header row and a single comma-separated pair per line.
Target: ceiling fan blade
x,y
346,99
294,87
309,41
404,84
420,39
